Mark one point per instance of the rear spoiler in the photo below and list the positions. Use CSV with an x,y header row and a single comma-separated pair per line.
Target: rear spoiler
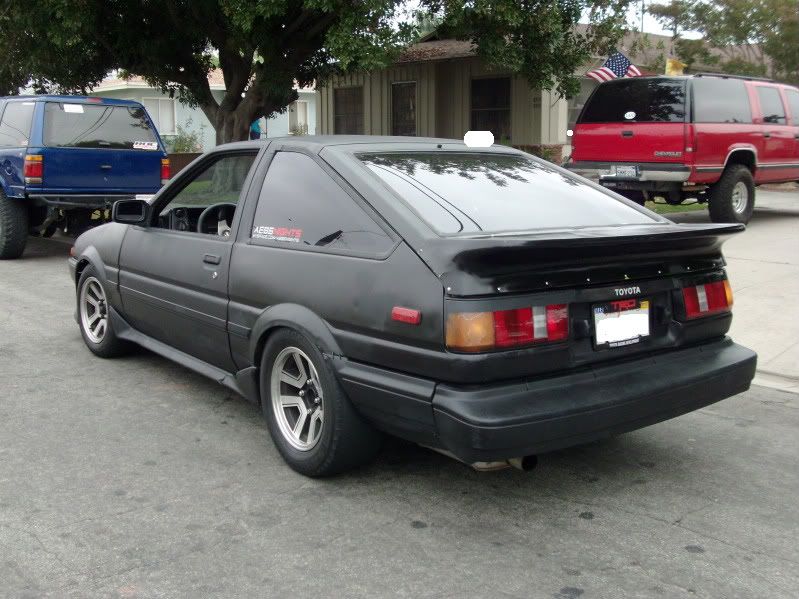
x,y
470,265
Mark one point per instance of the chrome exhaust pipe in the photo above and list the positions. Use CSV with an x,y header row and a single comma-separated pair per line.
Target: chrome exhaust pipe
x,y
524,463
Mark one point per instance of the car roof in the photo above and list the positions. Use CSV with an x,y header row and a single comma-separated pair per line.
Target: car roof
x,y
74,99
368,143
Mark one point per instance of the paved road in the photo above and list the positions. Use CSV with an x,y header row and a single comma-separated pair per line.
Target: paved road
x,y
136,478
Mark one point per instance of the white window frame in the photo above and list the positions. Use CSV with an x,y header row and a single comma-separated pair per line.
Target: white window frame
x,y
307,119
157,118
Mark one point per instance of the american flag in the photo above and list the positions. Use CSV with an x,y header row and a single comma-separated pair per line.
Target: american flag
x,y
617,65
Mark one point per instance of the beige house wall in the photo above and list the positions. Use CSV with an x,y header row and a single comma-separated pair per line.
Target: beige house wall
x,y
443,106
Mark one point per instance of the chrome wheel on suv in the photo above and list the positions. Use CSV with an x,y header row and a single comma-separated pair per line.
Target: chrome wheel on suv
x,y
297,399
740,197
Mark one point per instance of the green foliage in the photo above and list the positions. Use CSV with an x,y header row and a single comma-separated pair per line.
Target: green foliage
x,y
675,16
536,38
186,140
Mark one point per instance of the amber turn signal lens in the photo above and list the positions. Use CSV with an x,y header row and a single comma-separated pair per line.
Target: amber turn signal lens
x,y
470,331
728,292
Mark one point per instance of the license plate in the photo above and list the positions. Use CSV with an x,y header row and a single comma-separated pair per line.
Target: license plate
x,y
621,323
625,172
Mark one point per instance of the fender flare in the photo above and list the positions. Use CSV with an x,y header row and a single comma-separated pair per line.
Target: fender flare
x,y
292,316
742,147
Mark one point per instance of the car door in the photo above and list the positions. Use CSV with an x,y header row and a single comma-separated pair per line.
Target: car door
x,y
174,273
776,154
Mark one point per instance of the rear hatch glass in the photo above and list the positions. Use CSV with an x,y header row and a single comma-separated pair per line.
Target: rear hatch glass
x,y
97,126
474,192
636,101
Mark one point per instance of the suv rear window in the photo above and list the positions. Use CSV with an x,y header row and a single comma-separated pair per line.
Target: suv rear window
x,y
454,193
637,101
97,126
15,126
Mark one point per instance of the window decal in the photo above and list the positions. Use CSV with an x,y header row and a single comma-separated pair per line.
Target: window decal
x,y
276,233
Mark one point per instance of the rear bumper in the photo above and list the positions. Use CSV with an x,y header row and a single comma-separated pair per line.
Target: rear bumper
x,y
500,421
646,172
97,201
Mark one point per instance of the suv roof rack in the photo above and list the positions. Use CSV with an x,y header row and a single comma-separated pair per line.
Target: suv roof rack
x,y
728,76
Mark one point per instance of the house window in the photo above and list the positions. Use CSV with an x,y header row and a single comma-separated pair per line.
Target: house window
x,y
162,112
298,118
491,107
403,108
348,110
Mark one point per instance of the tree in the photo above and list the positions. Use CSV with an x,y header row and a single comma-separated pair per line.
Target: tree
x,y
264,46
674,16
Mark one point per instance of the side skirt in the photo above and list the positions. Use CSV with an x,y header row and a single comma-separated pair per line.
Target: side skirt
x,y
244,382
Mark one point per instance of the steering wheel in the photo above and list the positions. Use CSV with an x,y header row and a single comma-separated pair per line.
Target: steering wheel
x,y
221,214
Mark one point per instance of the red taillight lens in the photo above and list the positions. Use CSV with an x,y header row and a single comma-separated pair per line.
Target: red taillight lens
x,y
707,299
166,170
480,331
33,170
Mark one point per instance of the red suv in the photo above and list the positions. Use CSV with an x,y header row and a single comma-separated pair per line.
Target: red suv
x,y
712,137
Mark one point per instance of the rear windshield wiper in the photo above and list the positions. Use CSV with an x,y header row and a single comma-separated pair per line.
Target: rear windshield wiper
x,y
328,239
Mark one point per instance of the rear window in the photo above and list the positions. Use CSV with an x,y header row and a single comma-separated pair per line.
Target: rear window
x,y
719,100
97,126
454,193
15,126
636,101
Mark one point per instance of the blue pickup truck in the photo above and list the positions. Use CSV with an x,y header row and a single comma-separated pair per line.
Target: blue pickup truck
x,y
64,160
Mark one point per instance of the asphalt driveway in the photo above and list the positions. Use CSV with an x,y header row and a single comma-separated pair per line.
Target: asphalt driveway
x,y
136,478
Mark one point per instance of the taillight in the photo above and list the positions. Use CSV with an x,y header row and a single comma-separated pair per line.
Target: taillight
x,y
707,299
165,171
481,331
33,170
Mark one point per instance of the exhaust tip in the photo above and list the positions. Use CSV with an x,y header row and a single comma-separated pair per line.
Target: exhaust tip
x,y
524,463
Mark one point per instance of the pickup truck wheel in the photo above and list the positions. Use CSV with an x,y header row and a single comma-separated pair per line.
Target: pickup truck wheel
x,y
13,227
93,318
312,422
732,198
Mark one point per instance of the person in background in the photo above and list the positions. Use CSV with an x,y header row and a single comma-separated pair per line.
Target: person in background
x,y
255,129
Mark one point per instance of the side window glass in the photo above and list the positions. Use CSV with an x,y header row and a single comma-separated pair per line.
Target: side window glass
x,y
771,105
718,100
301,204
208,202
793,103
15,126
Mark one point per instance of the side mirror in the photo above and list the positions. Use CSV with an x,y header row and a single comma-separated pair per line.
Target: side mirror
x,y
130,212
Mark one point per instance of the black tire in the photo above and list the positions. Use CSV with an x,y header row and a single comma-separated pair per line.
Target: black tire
x,y
109,345
13,227
346,439
635,195
722,203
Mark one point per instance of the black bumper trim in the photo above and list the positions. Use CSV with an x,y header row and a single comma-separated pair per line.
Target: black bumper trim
x,y
500,421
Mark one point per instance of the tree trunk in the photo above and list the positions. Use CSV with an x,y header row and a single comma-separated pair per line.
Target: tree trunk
x,y
230,126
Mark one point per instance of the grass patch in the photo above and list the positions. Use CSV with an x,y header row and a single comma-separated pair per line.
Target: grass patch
x,y
663,208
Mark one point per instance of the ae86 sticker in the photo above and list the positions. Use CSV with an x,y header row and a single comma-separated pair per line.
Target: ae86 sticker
x,y
276,233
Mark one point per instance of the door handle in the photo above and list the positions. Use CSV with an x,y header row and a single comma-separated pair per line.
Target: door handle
x,y
626,133
766,134
105,167
211,259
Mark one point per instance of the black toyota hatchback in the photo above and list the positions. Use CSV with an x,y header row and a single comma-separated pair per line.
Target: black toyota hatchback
x,y
478,301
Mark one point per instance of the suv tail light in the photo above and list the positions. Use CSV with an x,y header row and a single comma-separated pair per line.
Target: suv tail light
x,y
482,331
166,171
33,170
707,299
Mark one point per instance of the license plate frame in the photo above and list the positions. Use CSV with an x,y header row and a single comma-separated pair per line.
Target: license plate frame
x,y
624,171
621,323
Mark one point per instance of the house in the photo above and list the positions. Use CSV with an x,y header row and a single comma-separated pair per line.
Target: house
x,y
440,88
169,113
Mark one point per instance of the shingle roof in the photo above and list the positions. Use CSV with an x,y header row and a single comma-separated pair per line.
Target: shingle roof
x,y
437,50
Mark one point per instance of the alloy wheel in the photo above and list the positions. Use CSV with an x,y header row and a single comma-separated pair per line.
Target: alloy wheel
x,y
93,310
297,399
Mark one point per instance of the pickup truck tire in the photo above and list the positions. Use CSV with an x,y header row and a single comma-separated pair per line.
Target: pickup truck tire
x,y
13,227
94,319
732,198
340,438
